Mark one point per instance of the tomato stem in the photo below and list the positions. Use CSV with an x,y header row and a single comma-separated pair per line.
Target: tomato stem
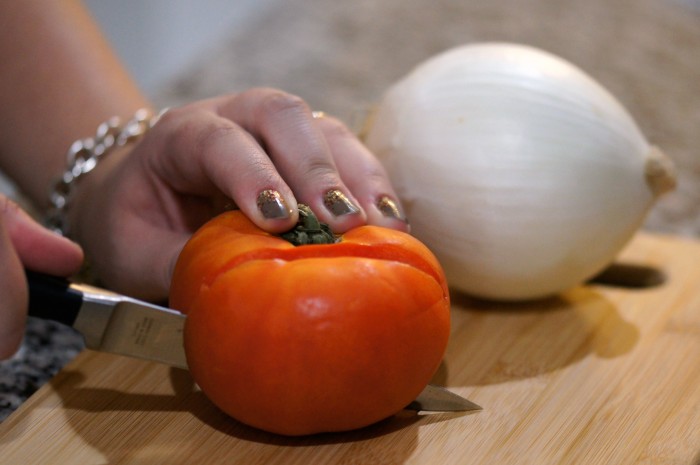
x,y
309,230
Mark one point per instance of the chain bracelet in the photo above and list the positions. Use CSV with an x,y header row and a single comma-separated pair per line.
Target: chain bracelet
x,y
84,154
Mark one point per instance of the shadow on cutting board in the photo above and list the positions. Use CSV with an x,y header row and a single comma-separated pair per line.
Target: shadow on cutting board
x,y
127,426
495,342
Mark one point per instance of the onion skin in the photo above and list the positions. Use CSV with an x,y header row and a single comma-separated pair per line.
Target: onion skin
x,y
522,174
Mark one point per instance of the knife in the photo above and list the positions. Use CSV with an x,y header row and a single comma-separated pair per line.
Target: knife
x,y
111,322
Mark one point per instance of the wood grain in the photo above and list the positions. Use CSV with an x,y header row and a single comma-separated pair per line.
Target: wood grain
x,y
599,375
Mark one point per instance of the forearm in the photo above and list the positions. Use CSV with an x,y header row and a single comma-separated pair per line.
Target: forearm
x,y
58,80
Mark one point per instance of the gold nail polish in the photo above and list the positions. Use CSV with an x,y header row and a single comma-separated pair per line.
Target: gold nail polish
x,y
272,205
338,204
389,208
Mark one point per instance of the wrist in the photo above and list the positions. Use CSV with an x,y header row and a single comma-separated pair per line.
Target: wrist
x,y
84,155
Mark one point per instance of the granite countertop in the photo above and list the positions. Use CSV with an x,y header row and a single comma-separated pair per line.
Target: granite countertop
x,y
46,348
338,57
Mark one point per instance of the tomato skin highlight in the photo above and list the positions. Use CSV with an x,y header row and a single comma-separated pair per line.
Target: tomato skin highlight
x,y
316,340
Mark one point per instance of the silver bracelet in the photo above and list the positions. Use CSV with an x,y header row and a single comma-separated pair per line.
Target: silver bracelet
x,y
84,154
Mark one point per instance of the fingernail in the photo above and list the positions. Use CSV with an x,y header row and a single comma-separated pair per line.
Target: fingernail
x,y
272,205
338,204
389,208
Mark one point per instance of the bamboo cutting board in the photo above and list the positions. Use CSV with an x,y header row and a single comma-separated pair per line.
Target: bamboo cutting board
x,y
600,375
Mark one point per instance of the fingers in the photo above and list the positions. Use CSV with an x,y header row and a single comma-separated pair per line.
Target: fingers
x,y
265,150
364,175
14,301
206,153
24,243
300,152
38,248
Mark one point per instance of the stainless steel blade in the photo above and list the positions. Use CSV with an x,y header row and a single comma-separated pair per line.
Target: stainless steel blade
x,y
122,325
137,330
438,399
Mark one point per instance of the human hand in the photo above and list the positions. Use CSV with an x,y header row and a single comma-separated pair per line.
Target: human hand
x,y
26,244
261,149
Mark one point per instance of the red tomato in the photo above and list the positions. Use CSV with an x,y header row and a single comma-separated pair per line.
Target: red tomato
x,y
313,338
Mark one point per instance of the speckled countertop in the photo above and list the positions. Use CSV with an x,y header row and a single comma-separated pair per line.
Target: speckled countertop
x,y
46,348
338,57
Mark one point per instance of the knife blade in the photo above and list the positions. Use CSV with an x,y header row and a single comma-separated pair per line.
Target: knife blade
x,y
115,323
439,399
110,322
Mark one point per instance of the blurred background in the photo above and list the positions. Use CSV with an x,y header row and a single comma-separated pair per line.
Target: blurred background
x,y
341,56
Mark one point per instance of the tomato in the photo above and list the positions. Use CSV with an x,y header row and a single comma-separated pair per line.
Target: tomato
x,y
313,338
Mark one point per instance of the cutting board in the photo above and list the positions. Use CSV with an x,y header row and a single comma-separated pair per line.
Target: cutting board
x,y
599,375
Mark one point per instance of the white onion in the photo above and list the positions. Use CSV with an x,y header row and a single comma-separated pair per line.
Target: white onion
x,y
522,174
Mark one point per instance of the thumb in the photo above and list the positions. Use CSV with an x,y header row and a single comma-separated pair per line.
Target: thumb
x,y
13,295
38,248
25,243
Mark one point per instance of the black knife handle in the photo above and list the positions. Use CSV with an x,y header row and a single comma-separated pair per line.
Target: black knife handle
x,y
51,298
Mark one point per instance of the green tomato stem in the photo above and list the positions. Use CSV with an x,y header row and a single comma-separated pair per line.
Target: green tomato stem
x,y
309,230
